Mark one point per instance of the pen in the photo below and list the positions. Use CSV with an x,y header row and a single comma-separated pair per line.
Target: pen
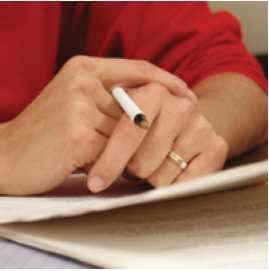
x,y
130,107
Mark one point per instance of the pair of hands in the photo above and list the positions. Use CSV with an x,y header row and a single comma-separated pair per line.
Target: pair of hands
x,y
75,123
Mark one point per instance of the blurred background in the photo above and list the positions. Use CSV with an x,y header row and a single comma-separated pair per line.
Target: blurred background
x,y
253,17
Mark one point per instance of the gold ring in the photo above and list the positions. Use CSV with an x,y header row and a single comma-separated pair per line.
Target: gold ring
x,y
178,160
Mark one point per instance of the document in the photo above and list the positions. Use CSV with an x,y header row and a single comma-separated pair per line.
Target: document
x,y
73,199
224,229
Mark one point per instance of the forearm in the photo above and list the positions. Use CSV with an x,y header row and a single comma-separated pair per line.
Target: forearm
x,y
4,178
236,107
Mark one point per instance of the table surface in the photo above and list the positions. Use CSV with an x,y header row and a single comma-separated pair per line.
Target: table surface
x,y
13,255
16,256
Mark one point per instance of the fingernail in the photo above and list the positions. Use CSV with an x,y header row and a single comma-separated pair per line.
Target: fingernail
x,y
97,184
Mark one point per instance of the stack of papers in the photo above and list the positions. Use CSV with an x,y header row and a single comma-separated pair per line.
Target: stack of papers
x,y
172,228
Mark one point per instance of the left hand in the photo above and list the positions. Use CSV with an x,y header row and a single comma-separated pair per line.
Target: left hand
x,y
176,125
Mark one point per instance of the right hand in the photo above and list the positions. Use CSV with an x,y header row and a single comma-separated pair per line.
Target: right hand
x,y
67,125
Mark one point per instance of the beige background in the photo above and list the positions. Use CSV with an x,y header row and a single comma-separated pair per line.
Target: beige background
x,y
253,17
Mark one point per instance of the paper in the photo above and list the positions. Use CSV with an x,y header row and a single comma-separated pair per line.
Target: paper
x,y
225,229
73,199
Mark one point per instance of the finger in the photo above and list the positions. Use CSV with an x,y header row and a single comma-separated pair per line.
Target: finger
x,y
206,162
187,146
103,124
201,165
133,73
93,117
175,112
169,169
96,146
105,102
89,144
81,82
123,142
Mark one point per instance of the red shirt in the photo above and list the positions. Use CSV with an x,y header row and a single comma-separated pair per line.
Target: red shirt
x,y
185,38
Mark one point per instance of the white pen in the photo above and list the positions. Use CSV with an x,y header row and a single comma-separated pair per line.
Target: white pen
x,y
130,107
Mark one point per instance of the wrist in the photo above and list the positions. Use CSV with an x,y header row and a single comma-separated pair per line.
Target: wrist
x,y
237,109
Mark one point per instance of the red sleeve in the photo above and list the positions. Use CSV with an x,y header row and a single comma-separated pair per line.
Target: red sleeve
x,y
184,38
29,34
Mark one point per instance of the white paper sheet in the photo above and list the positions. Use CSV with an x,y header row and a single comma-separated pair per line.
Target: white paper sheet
x,y
225,229
73,199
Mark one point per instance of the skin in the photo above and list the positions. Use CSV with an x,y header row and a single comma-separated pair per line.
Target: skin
x,y
237,108
175,124
73,139
224,123
67,126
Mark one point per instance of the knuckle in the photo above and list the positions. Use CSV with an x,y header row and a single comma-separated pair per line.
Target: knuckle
x,y
76,62
78,81
78,133
82,62
138,169
157,89
145,67
202,126
221,146
144,64
83,83
185,106
157,181
93,84
91,138
153,92
79,106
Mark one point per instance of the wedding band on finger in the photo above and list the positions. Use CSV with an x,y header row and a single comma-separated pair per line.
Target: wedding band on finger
x,y
178,160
